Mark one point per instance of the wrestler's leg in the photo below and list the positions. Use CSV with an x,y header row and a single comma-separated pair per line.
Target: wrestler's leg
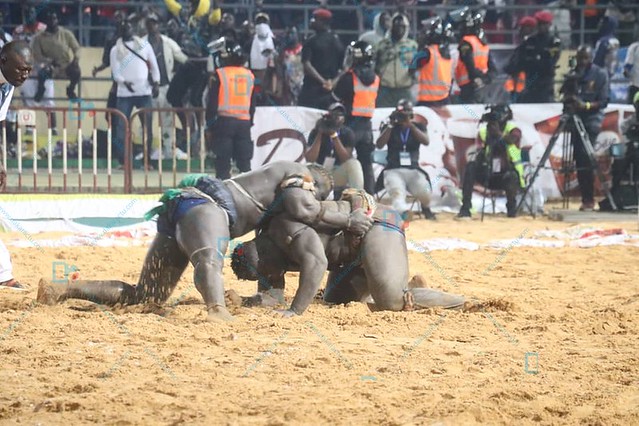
x,y
385,260
346,284
306,249
161,271
203,234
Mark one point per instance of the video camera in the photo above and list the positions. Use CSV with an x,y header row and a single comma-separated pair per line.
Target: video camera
x,y
397,117
500,113
570,87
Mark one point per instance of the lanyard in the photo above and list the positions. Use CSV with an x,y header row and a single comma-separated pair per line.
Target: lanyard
x,y
403,135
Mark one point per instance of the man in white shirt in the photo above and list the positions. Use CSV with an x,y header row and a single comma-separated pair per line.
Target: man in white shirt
x,y
167,52
631,70
135,70
15,66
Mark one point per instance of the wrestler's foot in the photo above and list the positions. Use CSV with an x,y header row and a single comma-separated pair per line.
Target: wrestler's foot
x,y
285,313
219,313
50,293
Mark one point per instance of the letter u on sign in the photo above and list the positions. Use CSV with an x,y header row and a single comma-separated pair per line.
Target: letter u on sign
x,y
26,117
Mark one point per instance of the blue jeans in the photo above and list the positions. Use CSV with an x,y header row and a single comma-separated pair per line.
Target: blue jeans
x,y
125,105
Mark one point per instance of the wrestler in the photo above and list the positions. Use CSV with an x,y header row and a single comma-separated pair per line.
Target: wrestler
x,y
196,222
375,264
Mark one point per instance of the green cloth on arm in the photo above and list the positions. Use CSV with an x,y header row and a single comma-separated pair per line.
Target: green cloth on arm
x,y
170,194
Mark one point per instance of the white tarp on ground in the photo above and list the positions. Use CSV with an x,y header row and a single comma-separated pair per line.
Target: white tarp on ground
x,y
280,133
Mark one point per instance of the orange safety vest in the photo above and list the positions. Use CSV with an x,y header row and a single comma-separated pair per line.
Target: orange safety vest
x,y
364,97
480,56
516,86
435,78
236,90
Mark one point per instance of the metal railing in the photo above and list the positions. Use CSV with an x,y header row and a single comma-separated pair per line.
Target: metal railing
x,y
26,125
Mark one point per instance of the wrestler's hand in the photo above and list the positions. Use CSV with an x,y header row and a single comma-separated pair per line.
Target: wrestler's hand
x,y
359,223
285,313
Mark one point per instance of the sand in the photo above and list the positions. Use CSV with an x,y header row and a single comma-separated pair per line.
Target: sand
x,y
554,342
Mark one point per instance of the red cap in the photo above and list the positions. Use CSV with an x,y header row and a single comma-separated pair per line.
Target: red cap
x,y
527,21
544,16
322,14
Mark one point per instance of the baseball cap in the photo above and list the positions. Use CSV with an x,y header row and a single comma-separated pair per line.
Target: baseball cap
x,y
544,16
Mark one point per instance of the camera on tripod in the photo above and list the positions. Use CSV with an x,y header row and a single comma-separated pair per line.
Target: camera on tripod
x,y
570,87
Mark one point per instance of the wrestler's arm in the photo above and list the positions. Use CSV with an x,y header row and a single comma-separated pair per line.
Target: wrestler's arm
x,y
302,206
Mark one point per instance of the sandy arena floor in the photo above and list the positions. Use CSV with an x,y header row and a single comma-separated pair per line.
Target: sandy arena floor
x,y
569,315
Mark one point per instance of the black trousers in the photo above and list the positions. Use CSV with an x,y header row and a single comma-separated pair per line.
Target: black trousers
x,y
475,172
231,140
363,129
585,171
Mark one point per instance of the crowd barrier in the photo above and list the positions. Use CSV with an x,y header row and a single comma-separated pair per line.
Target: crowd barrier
x,y
64,161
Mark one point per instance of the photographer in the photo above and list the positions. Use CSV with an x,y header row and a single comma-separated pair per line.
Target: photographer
x,y
586,94
404,137
332,147
497,163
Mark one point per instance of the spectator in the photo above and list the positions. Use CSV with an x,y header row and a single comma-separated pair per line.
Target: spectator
x,y
516,83
357,89
231,108
262,51
245,35
631,70
332,147
15,66
5,37
537,58
404,138
58,49
167,52
380,26
322,57
106,58
291,68
135,71
393,56
435,65
471,72
607,45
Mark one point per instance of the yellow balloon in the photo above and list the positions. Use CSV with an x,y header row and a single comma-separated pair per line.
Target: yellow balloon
x,y
173,6
202,8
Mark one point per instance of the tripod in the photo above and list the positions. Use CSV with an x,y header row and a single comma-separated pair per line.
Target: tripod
x,y
567,123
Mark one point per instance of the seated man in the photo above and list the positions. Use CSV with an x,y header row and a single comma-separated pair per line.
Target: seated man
x,y
404,137
375,264
332,146
497,160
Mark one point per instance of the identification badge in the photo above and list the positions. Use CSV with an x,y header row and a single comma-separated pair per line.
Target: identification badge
x,y
496,165
404,159
329,162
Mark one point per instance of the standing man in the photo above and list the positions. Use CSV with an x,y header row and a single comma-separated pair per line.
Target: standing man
x,y
537,57
516,83
589,103
15,66
231,108
497,163
332,147
167,52
471,72
59,51
135,70
357,90
404,138
631,70
393,57
435,66
322,57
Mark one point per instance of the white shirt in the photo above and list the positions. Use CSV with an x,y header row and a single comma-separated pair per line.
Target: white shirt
x,y
632,58
4,107
126,66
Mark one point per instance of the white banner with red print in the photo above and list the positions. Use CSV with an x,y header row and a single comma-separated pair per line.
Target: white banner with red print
x,y
280,133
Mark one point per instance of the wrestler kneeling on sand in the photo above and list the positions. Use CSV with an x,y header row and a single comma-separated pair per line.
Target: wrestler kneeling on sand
x,y
375,264
196,222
